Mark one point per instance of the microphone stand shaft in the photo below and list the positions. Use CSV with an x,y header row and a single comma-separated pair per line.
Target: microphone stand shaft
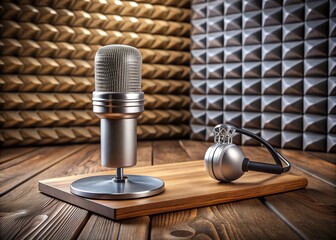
x,y
119,174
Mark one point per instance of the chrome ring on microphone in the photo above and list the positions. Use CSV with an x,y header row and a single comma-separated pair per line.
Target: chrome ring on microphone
x,y
118,105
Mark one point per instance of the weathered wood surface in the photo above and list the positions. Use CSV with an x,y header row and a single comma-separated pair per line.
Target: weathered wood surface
x,y
31,164
27,213
223,221
195,150
310,213
102,228
12,153
315,204
219,221
24,211
309,163
331,157
307,213
168,152
181,192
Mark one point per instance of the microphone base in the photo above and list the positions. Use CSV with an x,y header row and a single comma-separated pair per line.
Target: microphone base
x,y
108,187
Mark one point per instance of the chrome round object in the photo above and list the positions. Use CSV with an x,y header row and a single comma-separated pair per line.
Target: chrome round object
x,y
110,187
223,162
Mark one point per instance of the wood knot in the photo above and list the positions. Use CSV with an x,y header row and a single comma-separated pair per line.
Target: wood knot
x,y
181,233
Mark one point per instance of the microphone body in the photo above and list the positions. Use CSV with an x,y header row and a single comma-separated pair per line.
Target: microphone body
x,y
120,152
118,101
118,115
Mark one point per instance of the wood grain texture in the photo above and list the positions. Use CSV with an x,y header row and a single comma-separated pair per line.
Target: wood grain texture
x,y
8,154
195,149
47,221
102,228
144,154
313,165
300,160
24,211
180,193
21,158
86,160
330,157
204,223
99,227
35,163
310,212
168,152
248,219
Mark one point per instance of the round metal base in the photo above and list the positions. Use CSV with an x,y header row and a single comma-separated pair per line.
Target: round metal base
x,y
107,187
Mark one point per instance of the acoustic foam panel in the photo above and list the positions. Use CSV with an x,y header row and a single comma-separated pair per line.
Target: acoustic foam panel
x,y
268,66
46,66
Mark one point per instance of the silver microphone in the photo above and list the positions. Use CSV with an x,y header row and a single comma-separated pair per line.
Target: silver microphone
x,y
118,101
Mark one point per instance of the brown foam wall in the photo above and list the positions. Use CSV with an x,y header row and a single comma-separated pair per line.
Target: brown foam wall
x,y
47,71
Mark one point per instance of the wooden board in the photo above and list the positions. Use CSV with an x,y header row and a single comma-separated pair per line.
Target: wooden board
x,y
187,186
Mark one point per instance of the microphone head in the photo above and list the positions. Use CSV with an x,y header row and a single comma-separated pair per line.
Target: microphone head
x,y
118,69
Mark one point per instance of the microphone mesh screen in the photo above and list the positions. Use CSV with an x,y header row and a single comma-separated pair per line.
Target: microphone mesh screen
x,y
118,69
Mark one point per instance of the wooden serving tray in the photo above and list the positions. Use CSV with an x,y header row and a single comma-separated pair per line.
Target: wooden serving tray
x,y
187,186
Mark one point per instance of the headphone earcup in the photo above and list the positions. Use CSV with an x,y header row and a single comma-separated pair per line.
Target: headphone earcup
x,y
208,159
224,162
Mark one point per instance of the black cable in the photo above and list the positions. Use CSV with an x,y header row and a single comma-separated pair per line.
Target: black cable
x,y
278,158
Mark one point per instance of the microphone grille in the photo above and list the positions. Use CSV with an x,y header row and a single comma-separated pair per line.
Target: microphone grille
x,y
118,69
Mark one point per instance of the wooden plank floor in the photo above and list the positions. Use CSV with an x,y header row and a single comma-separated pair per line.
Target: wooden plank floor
x,y
26,213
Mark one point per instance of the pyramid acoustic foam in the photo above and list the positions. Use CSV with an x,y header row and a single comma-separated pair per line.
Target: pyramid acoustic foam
x,y
268,66
47,71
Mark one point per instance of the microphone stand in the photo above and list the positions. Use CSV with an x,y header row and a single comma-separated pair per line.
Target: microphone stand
x,y
118,113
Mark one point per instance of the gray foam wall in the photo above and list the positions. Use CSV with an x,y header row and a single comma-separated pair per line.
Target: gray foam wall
x,y
267,66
